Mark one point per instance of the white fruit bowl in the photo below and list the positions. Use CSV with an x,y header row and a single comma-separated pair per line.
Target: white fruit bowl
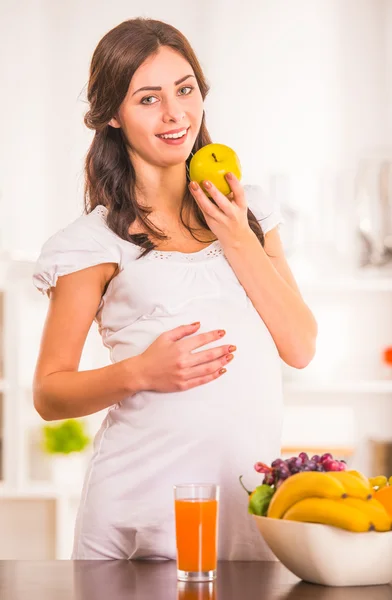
x,y
329,555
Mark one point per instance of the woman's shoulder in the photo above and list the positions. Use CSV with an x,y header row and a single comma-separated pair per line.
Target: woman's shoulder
x,y
85,242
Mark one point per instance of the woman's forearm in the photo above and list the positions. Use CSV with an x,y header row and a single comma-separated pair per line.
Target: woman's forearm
x,y
73,394
288,318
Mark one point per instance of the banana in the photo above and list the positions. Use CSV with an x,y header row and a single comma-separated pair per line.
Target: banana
x,y
329,512
359,475
354,486
374,511
303,485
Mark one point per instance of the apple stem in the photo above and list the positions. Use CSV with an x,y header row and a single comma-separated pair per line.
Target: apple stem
x,y
216,160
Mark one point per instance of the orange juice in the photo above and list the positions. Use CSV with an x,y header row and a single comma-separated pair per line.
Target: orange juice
x,y
196,532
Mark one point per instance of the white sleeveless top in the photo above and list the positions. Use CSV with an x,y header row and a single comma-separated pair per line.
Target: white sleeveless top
x,y
151,441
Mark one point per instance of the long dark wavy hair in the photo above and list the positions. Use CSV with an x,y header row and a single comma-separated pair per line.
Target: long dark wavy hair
x,y
110,178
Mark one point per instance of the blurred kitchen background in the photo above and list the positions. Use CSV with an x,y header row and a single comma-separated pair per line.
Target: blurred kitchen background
x,y
302,90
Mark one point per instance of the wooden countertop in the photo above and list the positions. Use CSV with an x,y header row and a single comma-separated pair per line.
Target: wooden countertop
x,y
146,580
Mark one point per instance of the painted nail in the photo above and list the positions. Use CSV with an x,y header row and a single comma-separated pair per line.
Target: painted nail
x,y
229,357
221,332
194,185
207,184
222,371
232,348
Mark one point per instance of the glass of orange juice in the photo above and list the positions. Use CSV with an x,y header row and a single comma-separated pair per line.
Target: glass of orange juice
x,y
196,513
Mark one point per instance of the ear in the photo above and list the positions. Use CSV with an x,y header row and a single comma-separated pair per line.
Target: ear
x,y
114,123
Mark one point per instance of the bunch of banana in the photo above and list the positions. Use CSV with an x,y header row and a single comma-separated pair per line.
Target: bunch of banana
x,y
339,498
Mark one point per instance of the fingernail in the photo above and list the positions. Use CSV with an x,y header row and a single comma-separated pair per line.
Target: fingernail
x,y
229,175
229,357
207,184
196,323
232,348
221,332
222,371
194,185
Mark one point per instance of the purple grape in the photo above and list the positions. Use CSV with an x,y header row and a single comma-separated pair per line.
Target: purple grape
x,y
320,468
326,456
316,458
341,466
331,465
312,464
277,462
306,468
335,465
303,456
295,463
269,478
294,470
326,464
283,473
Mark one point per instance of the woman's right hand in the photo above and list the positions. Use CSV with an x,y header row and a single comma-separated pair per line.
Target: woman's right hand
x,y
169,365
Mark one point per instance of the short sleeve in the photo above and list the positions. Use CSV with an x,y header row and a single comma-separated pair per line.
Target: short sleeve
x,y
79,246
265,209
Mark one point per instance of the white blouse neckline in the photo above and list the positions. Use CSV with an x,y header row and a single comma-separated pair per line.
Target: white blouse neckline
x,y
213,249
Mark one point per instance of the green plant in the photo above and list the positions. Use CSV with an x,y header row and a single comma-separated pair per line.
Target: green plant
x,y
65,437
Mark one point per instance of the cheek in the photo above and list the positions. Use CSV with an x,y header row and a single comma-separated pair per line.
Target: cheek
x,y
139,127
196,110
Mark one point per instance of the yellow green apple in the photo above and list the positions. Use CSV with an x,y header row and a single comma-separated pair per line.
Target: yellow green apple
x,y
212,162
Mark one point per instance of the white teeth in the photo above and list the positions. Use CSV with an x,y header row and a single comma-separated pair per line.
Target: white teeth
x,y
173,136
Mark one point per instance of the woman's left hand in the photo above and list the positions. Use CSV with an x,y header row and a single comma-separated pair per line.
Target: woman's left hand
x,y
228,219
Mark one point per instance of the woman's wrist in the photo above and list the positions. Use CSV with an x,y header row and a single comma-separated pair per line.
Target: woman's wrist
x,y
132,375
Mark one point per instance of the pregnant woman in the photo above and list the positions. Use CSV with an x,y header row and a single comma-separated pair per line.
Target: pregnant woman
x,y
179,285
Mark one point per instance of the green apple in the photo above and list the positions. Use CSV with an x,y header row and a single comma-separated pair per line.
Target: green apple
x,y
212,162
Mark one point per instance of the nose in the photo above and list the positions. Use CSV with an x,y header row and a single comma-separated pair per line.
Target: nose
x,y
173,112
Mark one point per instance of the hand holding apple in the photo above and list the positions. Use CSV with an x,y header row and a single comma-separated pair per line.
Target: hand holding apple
x,y
226,216
211,163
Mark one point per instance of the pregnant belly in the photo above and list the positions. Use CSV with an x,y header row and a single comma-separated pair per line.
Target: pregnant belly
x,y
249,391
214,432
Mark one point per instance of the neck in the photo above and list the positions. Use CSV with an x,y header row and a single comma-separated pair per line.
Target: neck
x,y
160,188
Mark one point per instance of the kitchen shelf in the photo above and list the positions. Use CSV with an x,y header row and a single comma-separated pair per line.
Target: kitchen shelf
x,y
365,279
377,386
41,491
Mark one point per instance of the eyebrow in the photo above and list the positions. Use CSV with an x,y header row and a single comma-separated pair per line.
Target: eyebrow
x,y
157,88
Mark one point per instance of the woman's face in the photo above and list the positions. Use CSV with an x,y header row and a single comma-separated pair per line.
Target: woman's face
x,y
176,106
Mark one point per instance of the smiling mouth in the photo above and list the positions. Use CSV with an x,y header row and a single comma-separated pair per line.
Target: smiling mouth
x,y
174,136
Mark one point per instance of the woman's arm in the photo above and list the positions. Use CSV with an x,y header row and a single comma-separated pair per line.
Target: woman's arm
x,y
59,390
269,283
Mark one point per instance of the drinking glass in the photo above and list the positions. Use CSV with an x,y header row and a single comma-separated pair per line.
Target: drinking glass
x,y
196,515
